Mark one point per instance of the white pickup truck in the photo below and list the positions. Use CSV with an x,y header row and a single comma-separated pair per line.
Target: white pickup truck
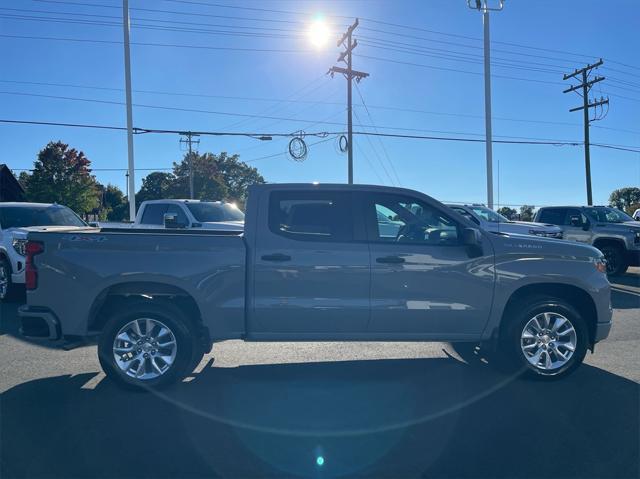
x,y
185,214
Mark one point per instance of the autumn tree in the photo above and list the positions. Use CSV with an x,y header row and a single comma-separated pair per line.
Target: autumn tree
x,y
63,175
625,199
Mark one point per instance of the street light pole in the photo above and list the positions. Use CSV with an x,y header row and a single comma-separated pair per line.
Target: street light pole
x,y
131,196
482,5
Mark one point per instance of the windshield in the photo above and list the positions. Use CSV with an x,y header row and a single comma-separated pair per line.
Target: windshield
x,y
608,215
215,212
24,216
488,214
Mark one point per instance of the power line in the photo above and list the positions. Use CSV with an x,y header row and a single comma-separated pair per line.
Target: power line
x,y
324,134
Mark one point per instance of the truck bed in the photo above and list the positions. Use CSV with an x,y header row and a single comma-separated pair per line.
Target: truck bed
x,y
207,265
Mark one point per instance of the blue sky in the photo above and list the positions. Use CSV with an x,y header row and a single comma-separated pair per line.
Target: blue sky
x,y
532,40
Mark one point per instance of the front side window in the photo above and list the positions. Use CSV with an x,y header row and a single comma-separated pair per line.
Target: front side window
x,y
407,220
607,215
154,214
23,216
466,214
310,216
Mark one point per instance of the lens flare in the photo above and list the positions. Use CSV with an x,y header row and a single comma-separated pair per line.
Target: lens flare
x,y
319,33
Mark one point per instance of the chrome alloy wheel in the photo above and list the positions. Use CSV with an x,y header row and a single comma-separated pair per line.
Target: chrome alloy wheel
x,y
4,281
144,348
548,341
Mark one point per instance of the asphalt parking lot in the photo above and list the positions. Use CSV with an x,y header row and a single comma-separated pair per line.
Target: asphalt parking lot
x,y
324,410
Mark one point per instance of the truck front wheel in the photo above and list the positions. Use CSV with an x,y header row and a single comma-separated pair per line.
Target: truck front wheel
x,y
147,345
548,338
616,263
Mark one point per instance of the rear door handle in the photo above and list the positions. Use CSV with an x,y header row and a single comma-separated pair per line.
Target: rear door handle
x,y
276,257
390,259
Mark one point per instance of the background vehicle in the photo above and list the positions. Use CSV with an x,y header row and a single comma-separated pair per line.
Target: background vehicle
x,y
314,264
494,222
636,215
610,230
186,214
15,222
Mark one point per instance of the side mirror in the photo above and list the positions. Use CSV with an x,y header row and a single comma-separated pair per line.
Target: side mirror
x,y
576,221
170,220
471,237
586,225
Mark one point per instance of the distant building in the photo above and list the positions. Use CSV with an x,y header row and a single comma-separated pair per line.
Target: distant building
x,y
10,188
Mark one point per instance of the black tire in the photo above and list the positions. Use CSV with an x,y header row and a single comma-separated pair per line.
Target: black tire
x,y
9,292
616,262
183,330
512,342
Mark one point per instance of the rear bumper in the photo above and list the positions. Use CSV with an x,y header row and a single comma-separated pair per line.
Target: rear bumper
x,y
38,323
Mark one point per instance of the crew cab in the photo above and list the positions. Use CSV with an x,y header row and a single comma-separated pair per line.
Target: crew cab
x,y
316,263
16,220
610,230
494,222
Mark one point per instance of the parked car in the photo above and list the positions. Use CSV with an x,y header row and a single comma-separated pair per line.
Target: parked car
x,y
610,230
185,214
494,222
16,220
314,264
636,215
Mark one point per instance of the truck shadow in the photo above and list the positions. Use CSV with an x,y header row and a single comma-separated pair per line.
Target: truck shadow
x,y
392,418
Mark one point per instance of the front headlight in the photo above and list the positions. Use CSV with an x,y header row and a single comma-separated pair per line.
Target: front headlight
x,y
20,246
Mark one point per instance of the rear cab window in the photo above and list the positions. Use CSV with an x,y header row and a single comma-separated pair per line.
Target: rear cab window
x,y
154,214
311,215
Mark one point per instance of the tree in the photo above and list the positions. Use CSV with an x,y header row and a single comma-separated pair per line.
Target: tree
x,y
508,213
625,198
114,204
156,186
62,175
526,212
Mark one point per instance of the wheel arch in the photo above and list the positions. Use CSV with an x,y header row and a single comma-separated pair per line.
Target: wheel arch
x,y
577,297
117,296
601,242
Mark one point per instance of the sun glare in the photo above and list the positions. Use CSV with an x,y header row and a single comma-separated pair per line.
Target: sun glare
x,y
319,33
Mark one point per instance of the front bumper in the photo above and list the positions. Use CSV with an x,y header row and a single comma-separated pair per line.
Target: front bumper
x,y
38,323
602,331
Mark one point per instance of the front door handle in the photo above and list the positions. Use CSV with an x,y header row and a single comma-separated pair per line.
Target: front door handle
x,y
276,257
390,259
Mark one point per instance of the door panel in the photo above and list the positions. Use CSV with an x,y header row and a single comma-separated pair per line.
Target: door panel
x,y
576,233
425,281
310,277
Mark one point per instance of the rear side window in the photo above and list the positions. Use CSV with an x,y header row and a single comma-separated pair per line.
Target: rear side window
x,y
554,216
154,214
311,215
182,217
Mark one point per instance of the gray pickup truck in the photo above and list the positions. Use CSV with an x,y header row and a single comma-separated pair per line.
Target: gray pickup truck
x,y
316,263
612,231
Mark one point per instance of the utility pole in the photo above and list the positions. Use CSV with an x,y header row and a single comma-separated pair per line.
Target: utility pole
x,y
585,86
349,73
189,141
127,78
483,6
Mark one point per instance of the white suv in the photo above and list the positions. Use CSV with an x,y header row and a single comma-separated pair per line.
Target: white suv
x,y
16,220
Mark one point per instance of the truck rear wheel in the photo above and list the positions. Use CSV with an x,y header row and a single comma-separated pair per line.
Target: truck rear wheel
x,y
548,338
147,345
